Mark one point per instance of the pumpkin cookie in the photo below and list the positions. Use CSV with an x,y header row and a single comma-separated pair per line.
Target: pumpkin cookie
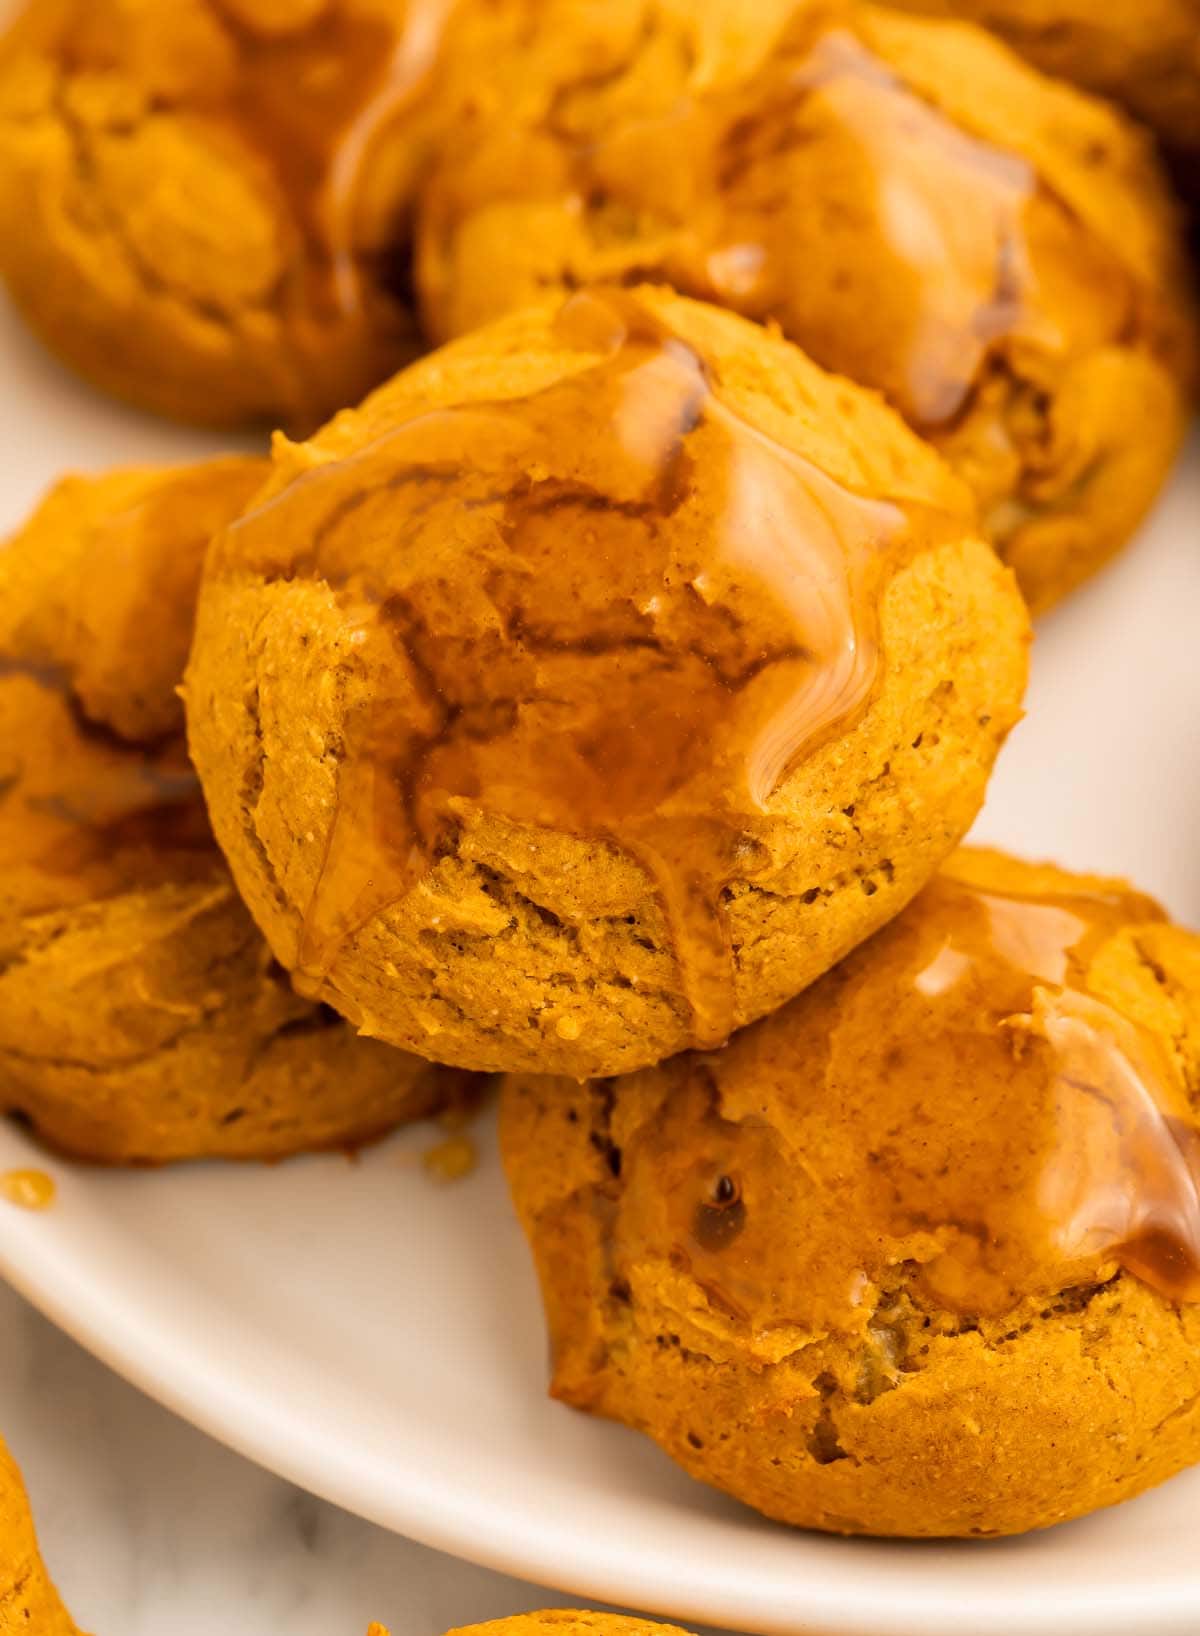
x,y
29,1604
141,1015
1142,53
213,195
920,1253
566,1622
596,686
559,1622
906,200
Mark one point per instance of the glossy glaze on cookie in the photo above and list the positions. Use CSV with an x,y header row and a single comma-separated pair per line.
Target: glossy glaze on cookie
x,y
637,675
993,251
616,594
1016,1133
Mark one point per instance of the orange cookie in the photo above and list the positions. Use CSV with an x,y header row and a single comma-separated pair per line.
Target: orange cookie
x,y
214,195
141,1015
29,1604
1142,53
595,686
915,207
919,1254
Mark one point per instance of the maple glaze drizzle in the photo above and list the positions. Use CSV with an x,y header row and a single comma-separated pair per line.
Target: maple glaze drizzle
x,y
315,103
311,103
941,211
827,194
970,1103
614,608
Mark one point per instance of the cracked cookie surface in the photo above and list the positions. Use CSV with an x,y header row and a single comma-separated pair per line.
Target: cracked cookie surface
x,y
919,1253
142,1018
994,251
595,686
214,194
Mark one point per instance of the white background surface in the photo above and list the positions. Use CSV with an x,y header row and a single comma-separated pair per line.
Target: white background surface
x,y
153,1529
379,1339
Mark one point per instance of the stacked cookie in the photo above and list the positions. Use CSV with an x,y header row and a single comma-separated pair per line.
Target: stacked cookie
x,y
602,701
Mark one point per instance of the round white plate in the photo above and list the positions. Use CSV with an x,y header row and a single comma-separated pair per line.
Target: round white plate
x,y
378,1339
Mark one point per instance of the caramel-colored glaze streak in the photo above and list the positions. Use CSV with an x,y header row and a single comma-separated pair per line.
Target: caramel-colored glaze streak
x,y
314,104
561,636
823,191
944,212
997,1126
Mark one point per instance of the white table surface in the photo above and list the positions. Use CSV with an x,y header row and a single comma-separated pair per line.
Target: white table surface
x,y
152,1529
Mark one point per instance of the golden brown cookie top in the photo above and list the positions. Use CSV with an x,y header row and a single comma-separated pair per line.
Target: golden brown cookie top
x,y
996,252
623,602
1142,53
906,198
141,1016
992,1099
296,95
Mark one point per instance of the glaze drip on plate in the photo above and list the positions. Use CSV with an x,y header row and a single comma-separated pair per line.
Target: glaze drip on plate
x,y
27,1189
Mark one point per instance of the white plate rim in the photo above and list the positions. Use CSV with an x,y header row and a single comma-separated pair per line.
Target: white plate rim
x,y
466,1524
